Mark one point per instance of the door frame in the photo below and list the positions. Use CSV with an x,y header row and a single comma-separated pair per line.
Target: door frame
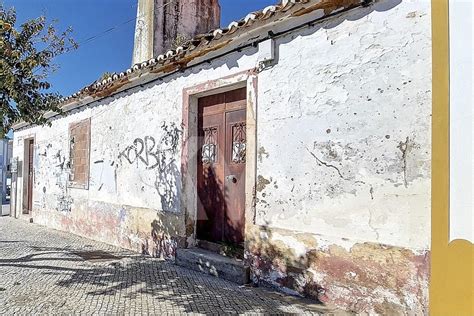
x,y
189,151
26,167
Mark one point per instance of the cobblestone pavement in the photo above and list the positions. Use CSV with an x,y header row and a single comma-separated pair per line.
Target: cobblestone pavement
x,y
44,271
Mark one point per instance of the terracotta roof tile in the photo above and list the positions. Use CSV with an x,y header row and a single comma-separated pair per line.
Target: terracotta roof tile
x,y
201,41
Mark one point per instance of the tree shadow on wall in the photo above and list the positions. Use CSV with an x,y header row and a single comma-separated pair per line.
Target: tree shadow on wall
x,y
168,176
268,259
164,245
168,184
165,237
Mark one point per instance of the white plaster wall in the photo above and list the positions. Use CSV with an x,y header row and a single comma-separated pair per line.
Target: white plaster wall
x,y
153,111
461,38
343,132
344,128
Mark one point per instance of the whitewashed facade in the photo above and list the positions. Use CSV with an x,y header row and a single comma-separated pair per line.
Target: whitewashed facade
x,y
338,170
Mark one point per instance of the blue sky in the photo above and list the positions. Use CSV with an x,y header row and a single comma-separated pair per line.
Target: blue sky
x,y
111,52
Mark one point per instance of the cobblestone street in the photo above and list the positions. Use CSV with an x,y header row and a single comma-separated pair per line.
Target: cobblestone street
x,y
44,271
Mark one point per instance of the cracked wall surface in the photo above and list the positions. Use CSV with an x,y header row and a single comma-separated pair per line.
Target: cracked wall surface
x,y
342,190
355,128
347,162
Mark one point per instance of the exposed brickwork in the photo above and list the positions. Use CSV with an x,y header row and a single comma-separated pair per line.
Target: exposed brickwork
x,y
79,138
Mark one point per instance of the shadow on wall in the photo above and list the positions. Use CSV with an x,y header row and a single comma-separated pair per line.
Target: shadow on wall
x,y
163,236
275,264
168,176
368,277
166,237
163,243
159,157
334,21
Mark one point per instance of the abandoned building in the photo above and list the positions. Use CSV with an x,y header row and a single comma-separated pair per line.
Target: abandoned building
x,y
163,25
299,136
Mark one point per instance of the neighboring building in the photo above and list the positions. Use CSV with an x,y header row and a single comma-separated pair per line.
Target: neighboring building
x,y
452,200
301,132
165,24
6,148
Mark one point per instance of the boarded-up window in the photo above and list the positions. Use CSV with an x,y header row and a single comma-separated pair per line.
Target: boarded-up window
x,y
79,147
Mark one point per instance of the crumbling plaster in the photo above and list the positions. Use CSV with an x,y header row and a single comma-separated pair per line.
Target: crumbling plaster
x,y
361,278
343,159
135,162
342,169
355,129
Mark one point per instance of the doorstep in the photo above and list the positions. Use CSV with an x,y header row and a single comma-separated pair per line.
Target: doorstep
x,y
212,263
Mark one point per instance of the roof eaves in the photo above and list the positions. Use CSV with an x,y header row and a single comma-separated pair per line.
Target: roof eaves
x,y
198,49
199,42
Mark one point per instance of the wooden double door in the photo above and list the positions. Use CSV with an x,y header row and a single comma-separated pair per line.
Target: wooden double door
x,y
221,167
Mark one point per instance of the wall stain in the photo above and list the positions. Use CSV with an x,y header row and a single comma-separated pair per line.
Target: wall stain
x,y
404,147
262,183
262,152
352,279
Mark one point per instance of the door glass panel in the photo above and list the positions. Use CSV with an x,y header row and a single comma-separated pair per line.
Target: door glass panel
x,y
209,148
238,143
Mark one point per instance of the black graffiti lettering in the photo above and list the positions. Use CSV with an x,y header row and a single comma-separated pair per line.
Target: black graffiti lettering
x,y
139,151
142,150
151,153
126,154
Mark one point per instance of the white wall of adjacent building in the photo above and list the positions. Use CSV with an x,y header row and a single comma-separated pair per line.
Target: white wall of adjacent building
x,y
461,38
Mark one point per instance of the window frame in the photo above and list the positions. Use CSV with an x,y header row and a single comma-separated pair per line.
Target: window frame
x,y
74,183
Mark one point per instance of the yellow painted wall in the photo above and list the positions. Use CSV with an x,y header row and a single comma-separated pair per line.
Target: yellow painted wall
x,y
452,264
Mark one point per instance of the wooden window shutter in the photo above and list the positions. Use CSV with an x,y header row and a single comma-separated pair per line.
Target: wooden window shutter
x,y
79,150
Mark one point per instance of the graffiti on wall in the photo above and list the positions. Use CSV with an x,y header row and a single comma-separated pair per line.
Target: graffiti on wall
x,y
160,157
148,151
142,150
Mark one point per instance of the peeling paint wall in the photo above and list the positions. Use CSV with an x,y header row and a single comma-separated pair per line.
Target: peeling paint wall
x,y
355,128
132,200
360,277
134,195
343,159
